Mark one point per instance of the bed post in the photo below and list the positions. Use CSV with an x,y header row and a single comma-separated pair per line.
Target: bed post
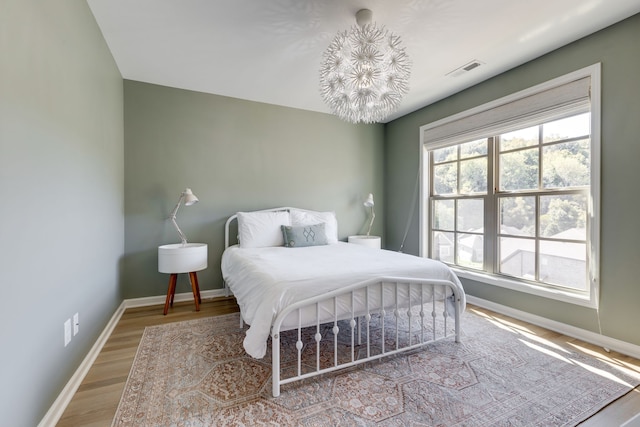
x,y
457,314
275,363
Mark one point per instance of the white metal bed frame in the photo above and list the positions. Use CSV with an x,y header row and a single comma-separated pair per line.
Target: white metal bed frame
x,y
410,297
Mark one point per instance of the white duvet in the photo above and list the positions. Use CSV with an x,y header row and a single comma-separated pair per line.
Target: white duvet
x,y
266,280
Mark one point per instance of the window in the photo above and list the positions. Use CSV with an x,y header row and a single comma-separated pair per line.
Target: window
x,y
511,189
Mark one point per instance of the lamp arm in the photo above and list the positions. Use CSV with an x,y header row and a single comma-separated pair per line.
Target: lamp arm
x,y
373,216
174,212
172,217
182,236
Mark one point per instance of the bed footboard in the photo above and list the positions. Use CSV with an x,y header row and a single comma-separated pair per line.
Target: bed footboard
x,y
361,323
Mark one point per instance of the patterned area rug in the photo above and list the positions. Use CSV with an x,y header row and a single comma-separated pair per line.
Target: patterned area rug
x,y
196,373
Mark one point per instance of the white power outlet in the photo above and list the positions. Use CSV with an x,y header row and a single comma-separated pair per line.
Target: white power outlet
x,y
67,332
76,324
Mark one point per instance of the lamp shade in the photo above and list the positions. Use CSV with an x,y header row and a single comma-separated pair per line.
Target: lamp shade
x,y
189,197
369,202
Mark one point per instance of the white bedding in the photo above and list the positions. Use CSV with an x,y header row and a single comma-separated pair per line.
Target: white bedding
x,y
266,280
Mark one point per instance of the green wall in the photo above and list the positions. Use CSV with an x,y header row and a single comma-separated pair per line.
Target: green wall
x,y
618,50
61,186
235,155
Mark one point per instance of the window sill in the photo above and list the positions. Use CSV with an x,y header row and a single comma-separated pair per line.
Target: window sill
x,y
551,293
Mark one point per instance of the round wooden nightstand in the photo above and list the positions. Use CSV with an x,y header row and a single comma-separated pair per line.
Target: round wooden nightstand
x,y
182,258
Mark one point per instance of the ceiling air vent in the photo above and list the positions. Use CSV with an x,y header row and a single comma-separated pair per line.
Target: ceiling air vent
x,y
465,68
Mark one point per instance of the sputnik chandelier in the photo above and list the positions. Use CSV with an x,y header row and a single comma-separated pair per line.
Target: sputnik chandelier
x,y
365,72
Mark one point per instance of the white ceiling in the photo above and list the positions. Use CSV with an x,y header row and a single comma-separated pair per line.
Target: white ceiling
x,y
270,50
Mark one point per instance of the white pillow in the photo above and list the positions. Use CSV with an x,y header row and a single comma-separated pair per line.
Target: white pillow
x,y
261,229
310,218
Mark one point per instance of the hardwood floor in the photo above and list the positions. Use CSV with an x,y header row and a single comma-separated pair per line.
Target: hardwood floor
x,y
97,398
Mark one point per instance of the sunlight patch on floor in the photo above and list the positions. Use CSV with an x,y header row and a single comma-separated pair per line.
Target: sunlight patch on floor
x,y
545,351
589,368
622,366
602,373
503,323
544,341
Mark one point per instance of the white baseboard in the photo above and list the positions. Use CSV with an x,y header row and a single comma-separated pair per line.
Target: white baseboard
x,y
571,331
56,410
160,299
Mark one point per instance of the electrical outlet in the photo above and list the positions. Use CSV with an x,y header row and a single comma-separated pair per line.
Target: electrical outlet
x,y
67,332
76,324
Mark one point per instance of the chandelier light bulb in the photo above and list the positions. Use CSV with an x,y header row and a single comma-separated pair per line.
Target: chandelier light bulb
x,y
365,72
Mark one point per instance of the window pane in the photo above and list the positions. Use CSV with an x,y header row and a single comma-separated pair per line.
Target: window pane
x,y
445,178
564,216
470,250
470,215
519,138
473,148
571,127
443,215
442,248
445,154
518,258
518,216
473,176
564,264
519,170
566,164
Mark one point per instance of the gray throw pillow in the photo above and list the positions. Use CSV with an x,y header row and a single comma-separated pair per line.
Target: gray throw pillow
x,y
304,235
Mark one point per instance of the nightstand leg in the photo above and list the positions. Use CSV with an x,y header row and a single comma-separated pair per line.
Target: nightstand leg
x,y
195,288
173,288
170,292
195,276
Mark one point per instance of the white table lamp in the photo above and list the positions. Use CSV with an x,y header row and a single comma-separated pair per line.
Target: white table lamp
x,y
188,198
369,204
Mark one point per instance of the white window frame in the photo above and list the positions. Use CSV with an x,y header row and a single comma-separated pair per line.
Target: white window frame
x,y
588,299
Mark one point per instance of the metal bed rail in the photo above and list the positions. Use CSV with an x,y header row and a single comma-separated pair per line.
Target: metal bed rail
x,y
402,302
